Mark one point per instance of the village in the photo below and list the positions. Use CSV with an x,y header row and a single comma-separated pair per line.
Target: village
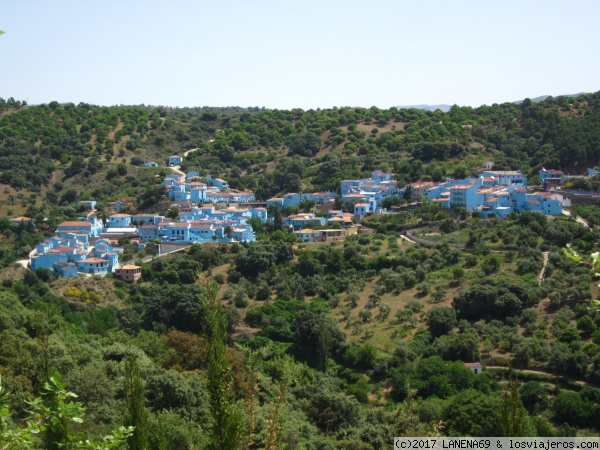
x,y
90,246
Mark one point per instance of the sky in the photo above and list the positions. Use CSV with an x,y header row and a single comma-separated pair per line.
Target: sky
x,y
297,54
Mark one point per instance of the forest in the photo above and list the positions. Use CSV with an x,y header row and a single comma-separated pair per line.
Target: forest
x,y
283,344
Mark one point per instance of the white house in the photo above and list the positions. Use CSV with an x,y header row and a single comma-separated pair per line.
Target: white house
x,y
475,368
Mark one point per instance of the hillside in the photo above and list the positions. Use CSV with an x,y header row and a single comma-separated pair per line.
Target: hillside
x,y
285,344
55,154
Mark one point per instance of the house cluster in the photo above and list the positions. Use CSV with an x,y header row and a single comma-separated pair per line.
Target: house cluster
x,y
192,190
70,252
293,199
368,193
493,194
553,177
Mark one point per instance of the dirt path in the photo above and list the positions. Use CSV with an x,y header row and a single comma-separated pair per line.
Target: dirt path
x,y
190,151
25,262
545,374
406,238
541,275
194,149
578,219
179,173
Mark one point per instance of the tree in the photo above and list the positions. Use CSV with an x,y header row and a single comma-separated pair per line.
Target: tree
x,y
317,331
441,320
439,294
226,419
458,273
586,324
136,414
514,418
51,416
173,213
471,413
534,397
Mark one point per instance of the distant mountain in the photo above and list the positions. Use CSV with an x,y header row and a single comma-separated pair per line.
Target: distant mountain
x,y
444,108
541,98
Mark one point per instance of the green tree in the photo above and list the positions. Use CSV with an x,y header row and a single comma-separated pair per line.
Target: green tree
x,y
471,413
226,420
441,320
514,418
51,418
317,331
136,414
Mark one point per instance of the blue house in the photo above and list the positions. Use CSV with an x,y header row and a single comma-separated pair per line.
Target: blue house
x,y
174,160
380,175
191,175
291,199
243,234
66,270
360,209
465,195
147,219
111,257
506,177
95,266
148,232
80,227
47,260
261,213
88,203
217,182
198,195
275,201
119,221
175,232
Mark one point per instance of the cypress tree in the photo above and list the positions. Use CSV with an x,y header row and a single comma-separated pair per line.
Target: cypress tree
x,y
136,414
226,419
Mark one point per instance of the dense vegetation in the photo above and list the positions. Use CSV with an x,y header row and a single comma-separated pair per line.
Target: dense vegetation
x,y
67,146
330,345
376,352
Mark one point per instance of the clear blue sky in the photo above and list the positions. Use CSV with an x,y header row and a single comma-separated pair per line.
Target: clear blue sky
x,y
302,53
